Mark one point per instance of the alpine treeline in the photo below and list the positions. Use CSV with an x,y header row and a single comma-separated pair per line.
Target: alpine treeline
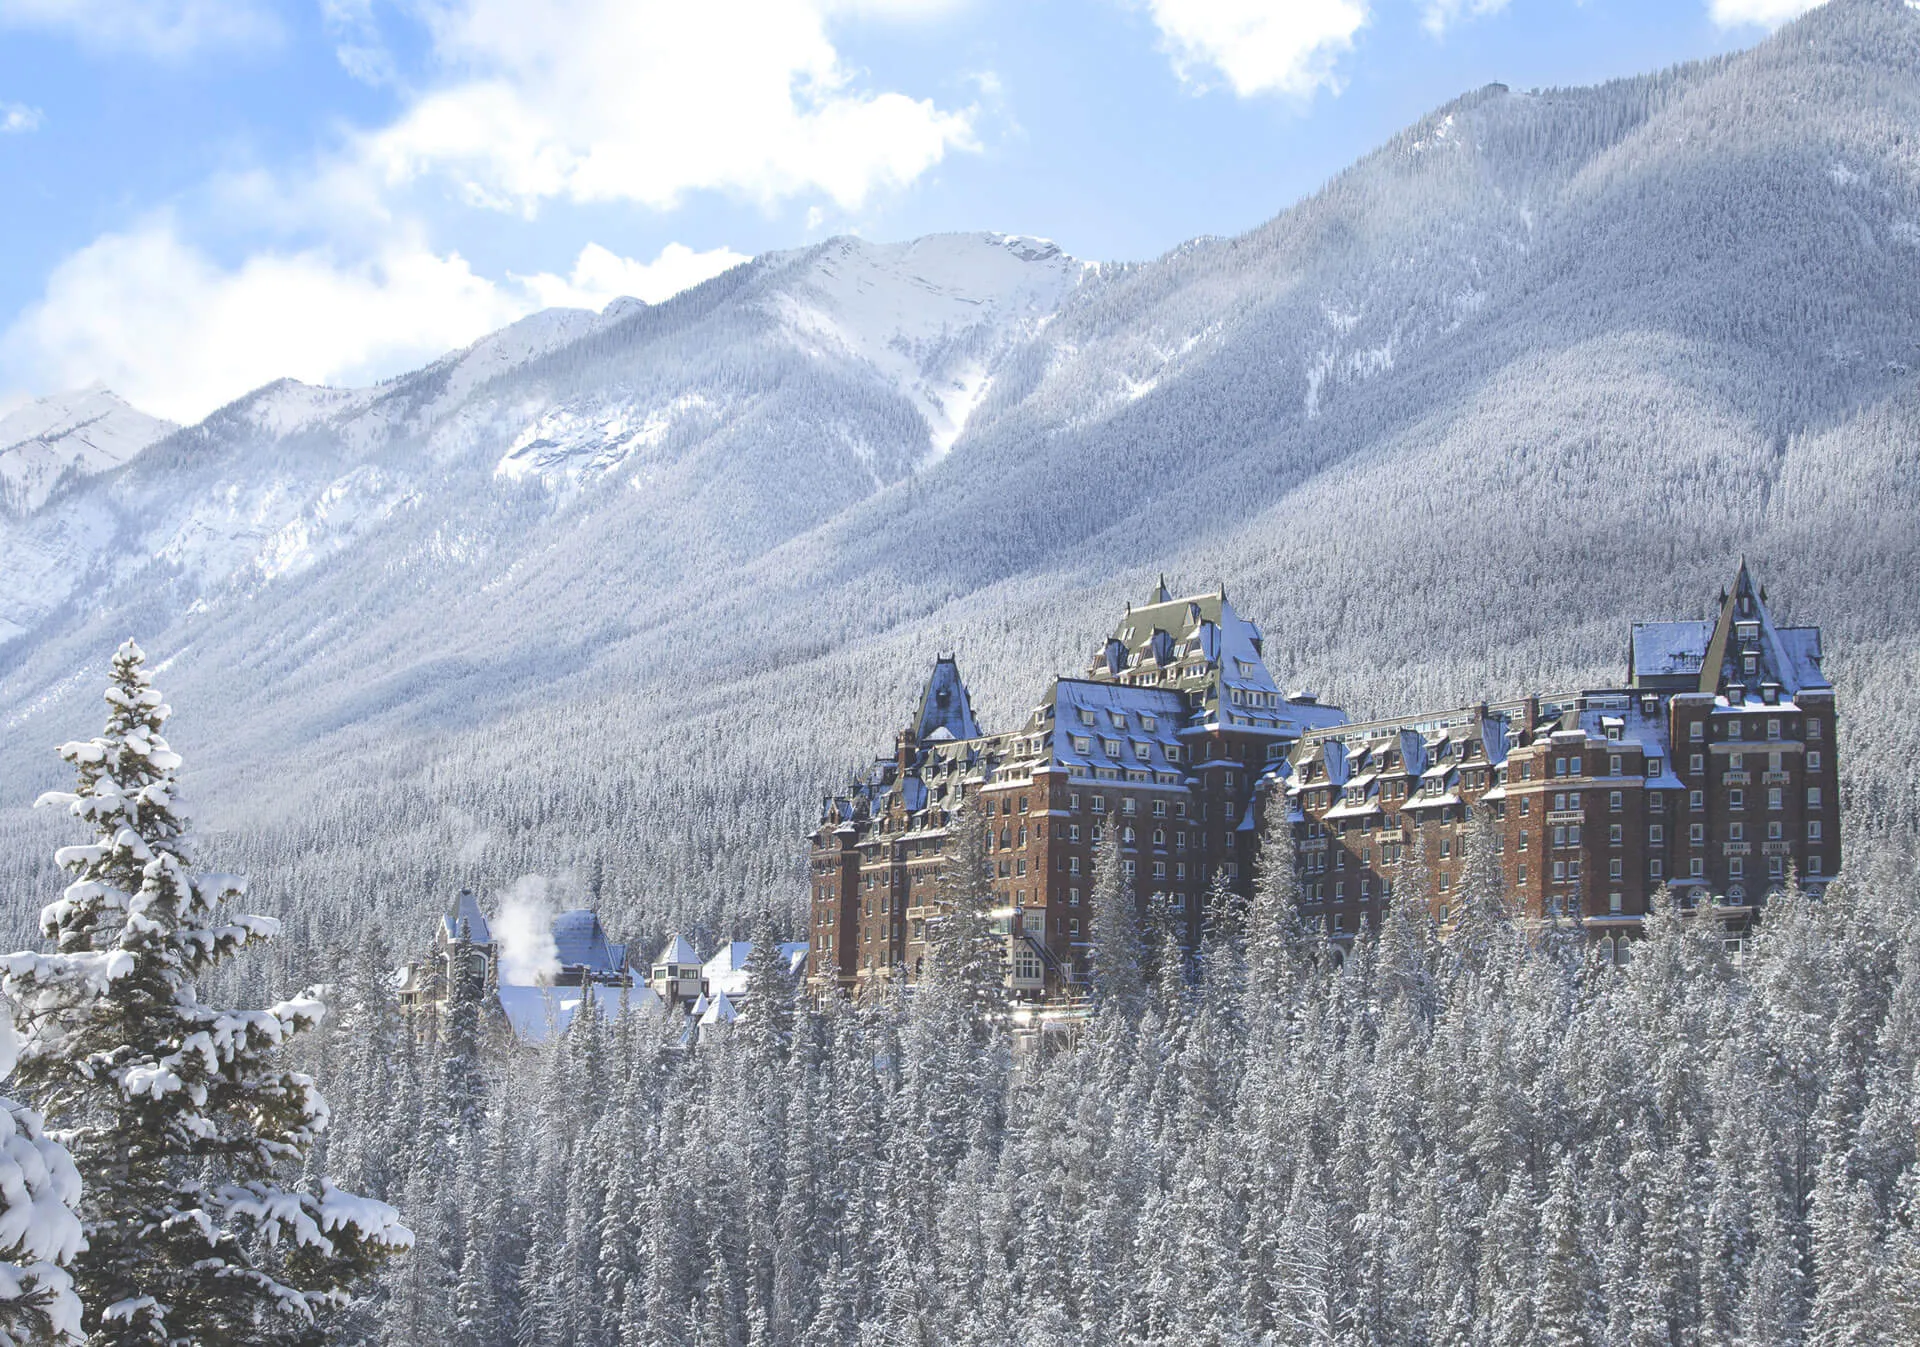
x,y
1468,1137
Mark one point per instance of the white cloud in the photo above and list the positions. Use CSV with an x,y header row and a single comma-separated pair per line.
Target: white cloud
x,y
649,100
600,275
1766,13
1440,15
17,119
165,326
167,28
1259,46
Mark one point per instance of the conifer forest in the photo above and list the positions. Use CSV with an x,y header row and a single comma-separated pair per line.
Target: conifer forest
x,y
619,608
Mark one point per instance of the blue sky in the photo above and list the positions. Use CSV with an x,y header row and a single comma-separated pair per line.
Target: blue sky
x,y
203,195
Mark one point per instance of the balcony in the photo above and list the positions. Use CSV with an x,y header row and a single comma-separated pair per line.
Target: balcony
x,y
1736,849
1776,778
1736,778
1566,816
1776,848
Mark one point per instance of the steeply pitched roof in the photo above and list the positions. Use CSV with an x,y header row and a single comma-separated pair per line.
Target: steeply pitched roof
x,y
678,951
582,942
945,705
1791,663
466,908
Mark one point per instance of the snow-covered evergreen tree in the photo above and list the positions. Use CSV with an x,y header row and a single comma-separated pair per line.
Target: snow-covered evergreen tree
x,y
39,1227
187,1131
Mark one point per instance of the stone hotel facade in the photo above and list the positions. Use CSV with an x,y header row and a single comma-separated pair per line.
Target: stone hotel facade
x,y
1711,769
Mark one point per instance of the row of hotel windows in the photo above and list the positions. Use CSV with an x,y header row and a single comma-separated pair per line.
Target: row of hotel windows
x,y
1733,727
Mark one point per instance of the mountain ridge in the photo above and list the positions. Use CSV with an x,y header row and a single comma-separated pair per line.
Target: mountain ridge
x,y
1542,363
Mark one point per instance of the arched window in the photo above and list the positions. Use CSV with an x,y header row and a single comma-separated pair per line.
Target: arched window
x,y
1604,949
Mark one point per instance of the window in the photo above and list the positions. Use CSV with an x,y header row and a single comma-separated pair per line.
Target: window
x,y
1127,869
1099,804
1696,799
1559,803
1613,901
1773,797
1524,802
1653,767
1736,867
1615,801
1776,866
1613,868
1126,836
1697,867
1129,806
1656,834
1173,752
1573,869
1813,864
1697,731
1813,830
1773,729
1813,797
1521,878
1813,760
1736,799
1086,715
1073,895
1615,835
1073,865
1111,747
1159,837
1159,808
1696,764
1656,868
1559,870
1073,832
1523,843
1119,719
1736,832
1340,893
1613,765
1073,799
1082,744
1559,766
1736,761
1148,723
1159,869
1813,729
1073,926
1141,751
1023,804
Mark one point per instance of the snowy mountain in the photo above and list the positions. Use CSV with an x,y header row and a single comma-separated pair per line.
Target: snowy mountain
x,y
624,592
77,434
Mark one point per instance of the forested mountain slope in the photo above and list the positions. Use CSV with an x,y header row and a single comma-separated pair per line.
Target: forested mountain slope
x,y
619,595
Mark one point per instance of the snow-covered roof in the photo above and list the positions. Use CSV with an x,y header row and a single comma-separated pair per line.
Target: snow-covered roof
x,y
719,1011
466,908
535,1013
1659,650
726,971
1122,715
677,952
582,943
945,705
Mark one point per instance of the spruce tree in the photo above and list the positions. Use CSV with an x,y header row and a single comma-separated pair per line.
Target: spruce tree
x,y
186,1131
39,1230
1279,944
1117,979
